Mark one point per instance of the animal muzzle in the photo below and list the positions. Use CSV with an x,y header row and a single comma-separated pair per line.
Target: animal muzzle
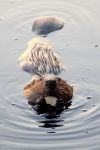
x,y
51,84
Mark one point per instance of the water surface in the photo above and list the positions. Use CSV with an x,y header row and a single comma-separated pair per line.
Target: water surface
x,y
78,44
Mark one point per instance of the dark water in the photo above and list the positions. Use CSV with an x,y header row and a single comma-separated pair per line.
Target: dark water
x,y
78,43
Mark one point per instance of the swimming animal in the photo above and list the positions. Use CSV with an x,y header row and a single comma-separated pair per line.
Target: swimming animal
x,y
47,91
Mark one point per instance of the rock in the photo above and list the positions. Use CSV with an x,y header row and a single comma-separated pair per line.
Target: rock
x,y
46,24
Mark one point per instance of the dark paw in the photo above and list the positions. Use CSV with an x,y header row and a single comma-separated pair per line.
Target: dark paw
x,y
59,105
40,109
67,104
41,101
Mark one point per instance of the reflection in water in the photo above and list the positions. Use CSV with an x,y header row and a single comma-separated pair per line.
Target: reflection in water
x,y
52,118
51,111
51,123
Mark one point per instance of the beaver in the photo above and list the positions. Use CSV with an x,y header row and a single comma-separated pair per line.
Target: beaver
x,y
49,90
46,90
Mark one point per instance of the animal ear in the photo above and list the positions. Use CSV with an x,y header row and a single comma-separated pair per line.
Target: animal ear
x,y
32,82
27,86
40,79
61,81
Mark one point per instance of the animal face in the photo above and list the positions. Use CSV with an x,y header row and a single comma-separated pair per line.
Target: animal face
x,y
50,84
48,89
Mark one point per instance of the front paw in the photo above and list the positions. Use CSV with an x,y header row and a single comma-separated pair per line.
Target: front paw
x,y
40,109
59,105
40,106
41,101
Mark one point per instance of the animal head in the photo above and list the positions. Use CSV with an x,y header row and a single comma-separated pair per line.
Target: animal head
x,y
48,83
51,82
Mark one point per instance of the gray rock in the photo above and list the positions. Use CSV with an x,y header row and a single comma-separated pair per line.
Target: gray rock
x,y
46,24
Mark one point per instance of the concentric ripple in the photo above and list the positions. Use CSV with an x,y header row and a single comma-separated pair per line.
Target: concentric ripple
x,y
78,127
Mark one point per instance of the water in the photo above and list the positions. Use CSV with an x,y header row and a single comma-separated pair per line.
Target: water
x,y
78,43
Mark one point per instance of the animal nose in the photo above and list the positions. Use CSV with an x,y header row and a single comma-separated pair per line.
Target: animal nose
x,y
51,83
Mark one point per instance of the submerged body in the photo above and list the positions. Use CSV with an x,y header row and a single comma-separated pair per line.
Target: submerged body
x,y
40,58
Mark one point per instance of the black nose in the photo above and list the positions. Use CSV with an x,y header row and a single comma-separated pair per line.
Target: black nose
x,y
51,83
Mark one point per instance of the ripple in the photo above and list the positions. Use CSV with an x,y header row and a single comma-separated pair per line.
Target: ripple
x,y
76,16
22,124
78,126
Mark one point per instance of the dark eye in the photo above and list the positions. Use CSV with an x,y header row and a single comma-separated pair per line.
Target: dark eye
x,y
40,79
59,79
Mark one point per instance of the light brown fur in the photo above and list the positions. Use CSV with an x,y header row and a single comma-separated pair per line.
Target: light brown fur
x,y
37,89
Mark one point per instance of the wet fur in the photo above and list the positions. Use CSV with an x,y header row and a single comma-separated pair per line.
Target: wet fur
x,y
37,89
